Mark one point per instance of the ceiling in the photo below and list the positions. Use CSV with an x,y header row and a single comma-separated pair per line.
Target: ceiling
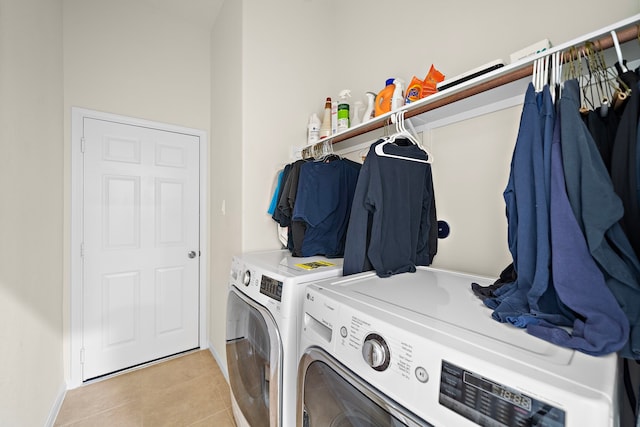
x,y
201,12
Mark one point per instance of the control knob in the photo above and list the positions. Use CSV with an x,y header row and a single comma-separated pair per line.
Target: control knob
x,y
375,352
246,278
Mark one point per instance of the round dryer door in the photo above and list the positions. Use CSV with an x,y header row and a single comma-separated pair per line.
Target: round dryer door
x,y
332,396
253,358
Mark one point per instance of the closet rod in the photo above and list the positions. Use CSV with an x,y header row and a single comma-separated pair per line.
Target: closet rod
x,y
624,35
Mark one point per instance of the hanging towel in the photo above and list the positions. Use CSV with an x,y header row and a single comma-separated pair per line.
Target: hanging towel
x,y
601,326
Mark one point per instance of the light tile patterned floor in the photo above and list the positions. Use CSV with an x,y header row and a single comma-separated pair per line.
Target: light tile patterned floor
x,y
189,390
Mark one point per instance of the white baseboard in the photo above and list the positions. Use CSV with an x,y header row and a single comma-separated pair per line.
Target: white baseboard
x,y
55,408
221,362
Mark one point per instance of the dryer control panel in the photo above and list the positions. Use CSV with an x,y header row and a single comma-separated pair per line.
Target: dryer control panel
x,y
271,287
489,403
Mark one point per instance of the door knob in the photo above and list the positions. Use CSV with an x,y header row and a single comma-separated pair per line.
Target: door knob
x,y
192,254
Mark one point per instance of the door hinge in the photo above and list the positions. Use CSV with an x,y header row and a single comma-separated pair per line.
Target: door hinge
x,y
82,144
82,356
82,250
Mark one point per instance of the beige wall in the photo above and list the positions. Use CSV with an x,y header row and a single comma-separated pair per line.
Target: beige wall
x,y
288,66
227,134
31,212
128,58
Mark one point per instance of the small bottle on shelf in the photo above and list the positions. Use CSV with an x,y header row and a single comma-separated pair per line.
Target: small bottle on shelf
x,y
325,128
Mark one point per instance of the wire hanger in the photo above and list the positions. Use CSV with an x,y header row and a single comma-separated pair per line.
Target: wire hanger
x,y
597,79
401,132
320,151
573,71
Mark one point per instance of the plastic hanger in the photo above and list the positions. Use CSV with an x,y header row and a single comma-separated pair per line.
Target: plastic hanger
x,y
540,75
621,65
401,132
556,76
534,73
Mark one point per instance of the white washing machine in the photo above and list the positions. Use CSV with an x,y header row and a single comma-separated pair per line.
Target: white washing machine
x,y
421,349
263,324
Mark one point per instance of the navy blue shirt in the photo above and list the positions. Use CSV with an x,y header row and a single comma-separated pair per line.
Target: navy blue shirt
x,y
393,213
323,204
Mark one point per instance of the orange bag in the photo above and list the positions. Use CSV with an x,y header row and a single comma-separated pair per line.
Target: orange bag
x,y
431,81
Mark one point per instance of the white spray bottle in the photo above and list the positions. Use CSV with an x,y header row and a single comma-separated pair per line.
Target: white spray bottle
x,y
397,100
343,110
371,105
356,115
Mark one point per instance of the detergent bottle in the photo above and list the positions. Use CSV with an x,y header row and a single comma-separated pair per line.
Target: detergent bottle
x,y
383,99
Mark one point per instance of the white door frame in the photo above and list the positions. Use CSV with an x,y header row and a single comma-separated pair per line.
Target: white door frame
x,y
75,303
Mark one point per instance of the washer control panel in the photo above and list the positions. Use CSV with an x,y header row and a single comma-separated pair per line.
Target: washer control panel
x,y
381,350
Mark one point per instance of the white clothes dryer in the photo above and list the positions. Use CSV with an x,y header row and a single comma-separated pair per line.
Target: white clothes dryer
x,y
421,349
263,310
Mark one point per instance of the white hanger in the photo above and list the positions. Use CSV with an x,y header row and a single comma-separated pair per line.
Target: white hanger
x,y
534,74
616,44
556,75
540,75
401,132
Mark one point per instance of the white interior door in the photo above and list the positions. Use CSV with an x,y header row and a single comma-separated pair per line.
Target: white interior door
x,y
140,249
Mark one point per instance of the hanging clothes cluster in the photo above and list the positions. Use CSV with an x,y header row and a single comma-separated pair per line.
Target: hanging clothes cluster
x,y
393,226
313,201
575,277
379,216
